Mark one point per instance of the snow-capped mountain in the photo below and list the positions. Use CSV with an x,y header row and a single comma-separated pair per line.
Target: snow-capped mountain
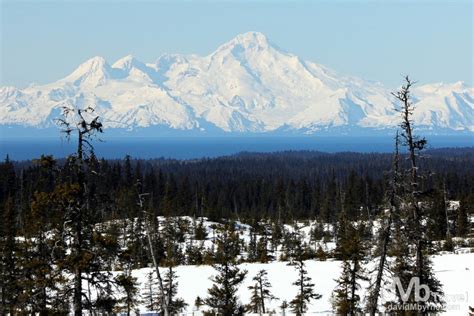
x,y
247,85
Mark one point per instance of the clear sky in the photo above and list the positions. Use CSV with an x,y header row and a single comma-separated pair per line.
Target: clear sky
x,y
376,40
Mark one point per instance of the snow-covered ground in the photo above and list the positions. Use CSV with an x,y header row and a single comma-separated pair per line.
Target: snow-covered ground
x,y
455,271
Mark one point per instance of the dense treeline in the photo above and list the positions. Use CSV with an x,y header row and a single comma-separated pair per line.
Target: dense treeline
x,y
247,186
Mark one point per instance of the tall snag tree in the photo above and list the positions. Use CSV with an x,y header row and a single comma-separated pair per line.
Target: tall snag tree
x,y
414,202
79,209
152,232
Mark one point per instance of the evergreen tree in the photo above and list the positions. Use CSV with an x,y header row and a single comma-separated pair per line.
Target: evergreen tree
x,y
42,288
222,296
263,251
254,306
462,223
400,250
305,287
175,305
305,290
9,272
195,253
198,303
252,246
105,302
130,289
150,295
437,225
351,250
260,292
200,232
284,306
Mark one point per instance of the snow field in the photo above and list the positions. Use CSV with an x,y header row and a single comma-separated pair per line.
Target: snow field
x,y
455,271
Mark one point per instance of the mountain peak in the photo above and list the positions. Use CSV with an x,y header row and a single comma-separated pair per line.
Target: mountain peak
x,y
92,72
127,62
94,63
246,41
249,38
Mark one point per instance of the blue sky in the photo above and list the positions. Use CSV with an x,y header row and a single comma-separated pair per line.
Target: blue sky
x,y
376,40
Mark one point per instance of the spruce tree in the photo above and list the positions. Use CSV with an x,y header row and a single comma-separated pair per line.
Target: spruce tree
x,y
284,307
175,305
262,250
303,282
149,293
305,293
252,246
462,222
351,250
222,296
200,232
129,287
43,285
254,306
9,268
260,292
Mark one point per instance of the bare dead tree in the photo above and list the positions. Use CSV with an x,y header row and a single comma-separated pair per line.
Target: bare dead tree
x,y
413,197
164,299
84,123
414,145
86,126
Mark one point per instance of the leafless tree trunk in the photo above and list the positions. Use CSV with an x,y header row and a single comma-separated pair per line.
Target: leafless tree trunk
x,y
414,146
164,298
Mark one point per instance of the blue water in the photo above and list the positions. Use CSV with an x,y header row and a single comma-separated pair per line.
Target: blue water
x,y
21,148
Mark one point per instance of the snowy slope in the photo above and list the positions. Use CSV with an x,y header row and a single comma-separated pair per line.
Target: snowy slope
x,y
455,271
247,85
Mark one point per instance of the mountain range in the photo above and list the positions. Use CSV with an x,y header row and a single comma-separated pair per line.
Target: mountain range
x,y
247,86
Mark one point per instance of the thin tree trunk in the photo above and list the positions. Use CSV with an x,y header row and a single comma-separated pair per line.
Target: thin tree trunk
x,y
373,301
78,269
414,185
353,288
413,146
164,298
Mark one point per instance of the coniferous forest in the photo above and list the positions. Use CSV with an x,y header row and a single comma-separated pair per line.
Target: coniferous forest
x,y
73,229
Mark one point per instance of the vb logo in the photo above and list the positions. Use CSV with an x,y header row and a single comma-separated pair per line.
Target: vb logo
x,y
422,291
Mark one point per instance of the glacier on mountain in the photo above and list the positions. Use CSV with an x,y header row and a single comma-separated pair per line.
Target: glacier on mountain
x,y
248,85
